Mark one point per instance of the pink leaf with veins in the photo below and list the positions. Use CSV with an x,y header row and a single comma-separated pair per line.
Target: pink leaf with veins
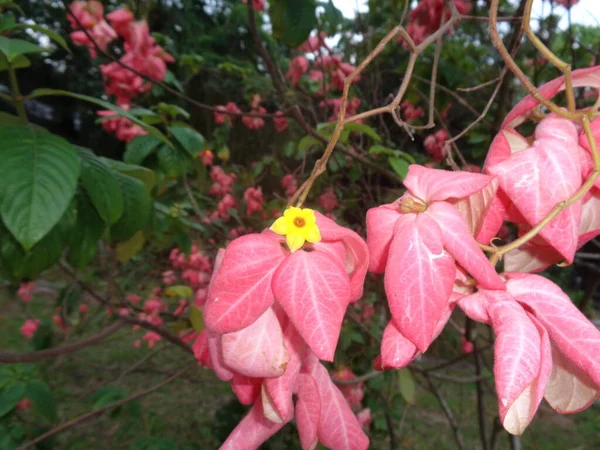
x,y
257,350
241,289
569,389
246,389
588,77
459,242
418,278
380,231
475,207
280,389
538,178
252,431
570,331
356,260
506,142
308,411
216,357
431,185
314,291
338,427
517,362
396,350
475,306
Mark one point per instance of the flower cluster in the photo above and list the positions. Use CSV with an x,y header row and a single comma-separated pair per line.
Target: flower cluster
x,y
434,145
429,15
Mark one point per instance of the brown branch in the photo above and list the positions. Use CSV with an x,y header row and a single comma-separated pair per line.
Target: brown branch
x,y
50,353
76,421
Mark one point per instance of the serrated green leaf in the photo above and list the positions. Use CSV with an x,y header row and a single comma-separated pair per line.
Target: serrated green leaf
x,y
10,396
145,175
139,148
38,177
407,386
137,207
42,400
101,186
126,250
88,230
197,319
399,165
292,21
119,111
12,48
172,161
191,141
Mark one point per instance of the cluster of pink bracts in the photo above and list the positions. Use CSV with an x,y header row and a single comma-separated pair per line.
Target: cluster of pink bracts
x,y
271,314
140,53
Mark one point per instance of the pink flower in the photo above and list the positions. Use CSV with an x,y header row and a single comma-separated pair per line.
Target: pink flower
x,y
222,182
281,123
566,3
410,113
227,202
314,43
151,338
434,145
121,19
133,298
254,123
315,75
59,322
169,277
258,5
298,67
154,306
466,345
290,184
254,200
29,328
24,404
25,291
328,200
207,157
124,129
181,307
364,418
83,309
221,118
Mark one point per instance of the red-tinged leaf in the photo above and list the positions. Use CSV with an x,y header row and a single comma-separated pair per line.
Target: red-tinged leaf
x,y
589,227
475,209
240,291
431,185
569,389
459,242
257,350
246,389
380,228
252,431
269,409
200,349
588,77
216,357
356,258
506,142
517,362
538,178
475,307
418,278
570,331
530,258
308,411
338,427
314,291
539,387
396,350
280,389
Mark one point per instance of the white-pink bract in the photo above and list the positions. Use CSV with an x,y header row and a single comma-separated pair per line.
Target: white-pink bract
x,y
537,174
417,242
545,348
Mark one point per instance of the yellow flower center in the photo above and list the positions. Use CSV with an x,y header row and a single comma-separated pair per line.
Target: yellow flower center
x,y
298,226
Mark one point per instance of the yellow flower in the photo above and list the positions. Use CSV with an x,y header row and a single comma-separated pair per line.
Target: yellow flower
x,y
297,225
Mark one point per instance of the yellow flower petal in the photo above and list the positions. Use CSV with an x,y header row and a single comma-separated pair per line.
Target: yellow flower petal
x,y
312,234
309,216
292,212
282,226
294,241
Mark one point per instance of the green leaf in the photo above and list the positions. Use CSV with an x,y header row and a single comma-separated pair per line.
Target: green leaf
x,y
197,319
191,141
10,396
173,81
399,165
363,129
38,177
42,399
88,231
9,120
137,207
107,395
306,142
101,186
7,21
172,110
407,386
128,249
44,336
51,34
20,62
139,148
145,175
332,16
172,161
12,48
292,21
119,111
179,290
